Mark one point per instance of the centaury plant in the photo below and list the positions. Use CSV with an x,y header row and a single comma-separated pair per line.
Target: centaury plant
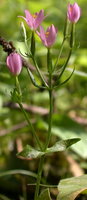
x,y
15,62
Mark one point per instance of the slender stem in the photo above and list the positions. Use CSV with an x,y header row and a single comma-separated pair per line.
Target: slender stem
x,y
50,101
47,143
25,114
40,168
65,36
29,123
72,41
37,68
50,120
72,38
33,58
18,86
49,61
64,66
61,49
48,137
33,44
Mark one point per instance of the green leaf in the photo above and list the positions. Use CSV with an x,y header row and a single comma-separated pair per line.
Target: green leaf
x,y
77,72
33,79
68,78
29,153
18,171
45,195
70,188
66,128
62,145
81,147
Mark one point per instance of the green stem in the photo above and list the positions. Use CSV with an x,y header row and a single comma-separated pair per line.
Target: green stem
x,y
40,168
72,43
65,36
47,143
72,38
48,137
65,65
61,49
50,100
50,120
49,61
25,114
33,44
33,58
37,68
29,123
18,85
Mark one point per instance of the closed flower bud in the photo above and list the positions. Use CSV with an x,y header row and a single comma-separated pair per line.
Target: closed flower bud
x,y
74,12
14,63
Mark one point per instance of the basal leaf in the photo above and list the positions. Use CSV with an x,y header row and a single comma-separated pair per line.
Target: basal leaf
x,y
70,188
29,153
45,195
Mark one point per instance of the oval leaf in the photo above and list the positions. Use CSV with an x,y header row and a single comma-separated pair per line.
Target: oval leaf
x,y
70,188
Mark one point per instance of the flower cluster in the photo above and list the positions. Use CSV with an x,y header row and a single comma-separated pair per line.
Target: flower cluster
x,y
14,60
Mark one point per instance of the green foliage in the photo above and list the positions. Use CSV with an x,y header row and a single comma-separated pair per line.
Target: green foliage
x,y
62,145
70,188
64,128
31,153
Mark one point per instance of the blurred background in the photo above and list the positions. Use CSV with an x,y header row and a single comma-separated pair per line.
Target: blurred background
x,y
70,100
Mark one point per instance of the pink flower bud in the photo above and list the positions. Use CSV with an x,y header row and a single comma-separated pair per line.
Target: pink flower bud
x,y
14,63
35,20
74,12
48,37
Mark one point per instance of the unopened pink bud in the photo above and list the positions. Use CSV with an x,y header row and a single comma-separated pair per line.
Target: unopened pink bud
x,y
74,12
48,37
14,63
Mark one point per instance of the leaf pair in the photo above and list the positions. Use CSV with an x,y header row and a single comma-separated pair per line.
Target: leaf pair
x,y
29,152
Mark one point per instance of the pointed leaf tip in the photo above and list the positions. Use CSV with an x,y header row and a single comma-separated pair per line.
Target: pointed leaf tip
x,y
62,145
